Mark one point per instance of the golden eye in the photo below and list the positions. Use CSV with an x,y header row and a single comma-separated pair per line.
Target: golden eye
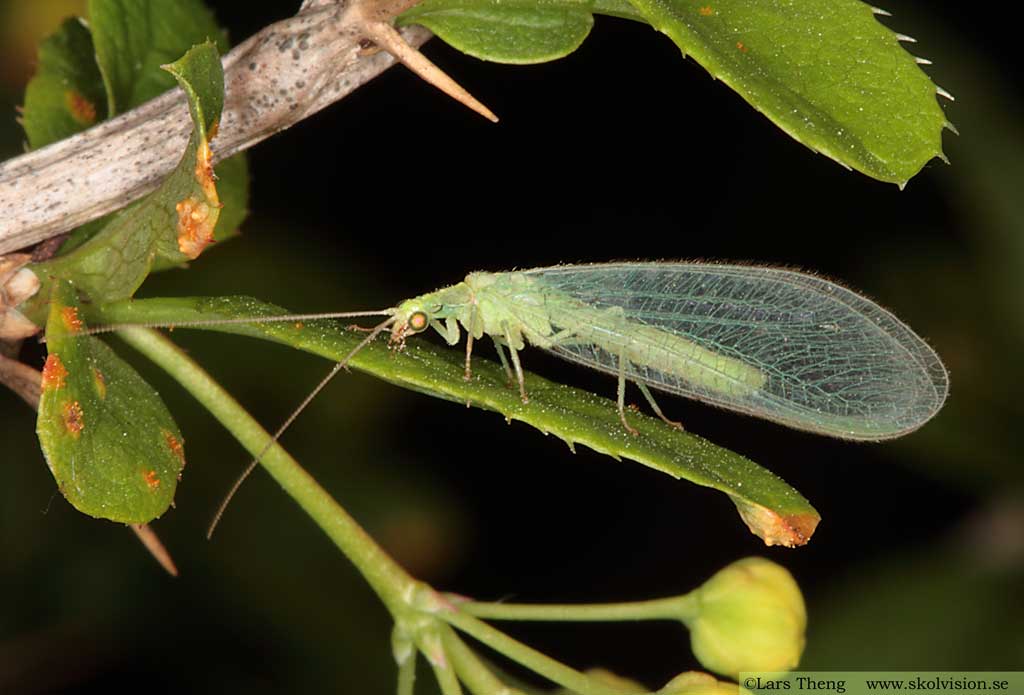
x,y
418,321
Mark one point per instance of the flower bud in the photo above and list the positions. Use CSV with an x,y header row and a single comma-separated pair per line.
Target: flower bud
x,y
605,677
699,683
750,616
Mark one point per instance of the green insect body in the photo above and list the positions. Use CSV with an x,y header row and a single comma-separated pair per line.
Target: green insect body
x,y
516,297
774,343
778,344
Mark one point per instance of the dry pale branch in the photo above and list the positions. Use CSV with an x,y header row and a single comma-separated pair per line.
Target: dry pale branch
x,y
22,380
285,73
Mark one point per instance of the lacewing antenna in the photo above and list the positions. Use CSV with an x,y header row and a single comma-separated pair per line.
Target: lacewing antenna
x,y
198,323
343,364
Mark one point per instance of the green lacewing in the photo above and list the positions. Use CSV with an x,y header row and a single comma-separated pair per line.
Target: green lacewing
x,y
778,344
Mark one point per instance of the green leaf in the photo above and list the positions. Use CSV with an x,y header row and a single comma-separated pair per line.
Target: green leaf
x,y
506,31
773,510
200,75
110,442
825,71
176,221
134,38
66,95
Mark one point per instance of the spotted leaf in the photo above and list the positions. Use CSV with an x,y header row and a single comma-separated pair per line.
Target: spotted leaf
x,y
108,439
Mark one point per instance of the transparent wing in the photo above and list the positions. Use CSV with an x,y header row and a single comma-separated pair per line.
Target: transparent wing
x,y
790,347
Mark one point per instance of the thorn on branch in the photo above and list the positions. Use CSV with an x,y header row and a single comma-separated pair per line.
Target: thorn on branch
x,y
376,19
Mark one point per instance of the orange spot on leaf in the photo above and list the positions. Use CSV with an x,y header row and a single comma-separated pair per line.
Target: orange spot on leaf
x,y
739,45
197,218
80,108
100,382
74,420
706,11
790,530
299,325
54,372
204,172
152,479
174,444
195,226
69,317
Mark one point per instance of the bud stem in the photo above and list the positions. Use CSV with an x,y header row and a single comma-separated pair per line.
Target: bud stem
x,y
682,607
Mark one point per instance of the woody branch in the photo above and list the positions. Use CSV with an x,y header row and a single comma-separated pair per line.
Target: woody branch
x,y
287,72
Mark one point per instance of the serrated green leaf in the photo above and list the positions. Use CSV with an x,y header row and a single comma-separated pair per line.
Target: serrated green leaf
x,y
772,509
134,38
66,95
175,222
200,74
506,31
110,442
825,71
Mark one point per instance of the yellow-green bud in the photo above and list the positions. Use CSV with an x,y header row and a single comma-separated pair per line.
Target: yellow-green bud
x,y
605,677
750,616
700,683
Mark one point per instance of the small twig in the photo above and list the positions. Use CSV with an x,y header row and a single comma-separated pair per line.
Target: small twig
x,y
287,72
22,379
156,548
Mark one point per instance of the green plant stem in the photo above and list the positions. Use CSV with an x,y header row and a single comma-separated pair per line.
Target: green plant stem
x,y
384,575
407,677
674,608
470,668
536,661
446,678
